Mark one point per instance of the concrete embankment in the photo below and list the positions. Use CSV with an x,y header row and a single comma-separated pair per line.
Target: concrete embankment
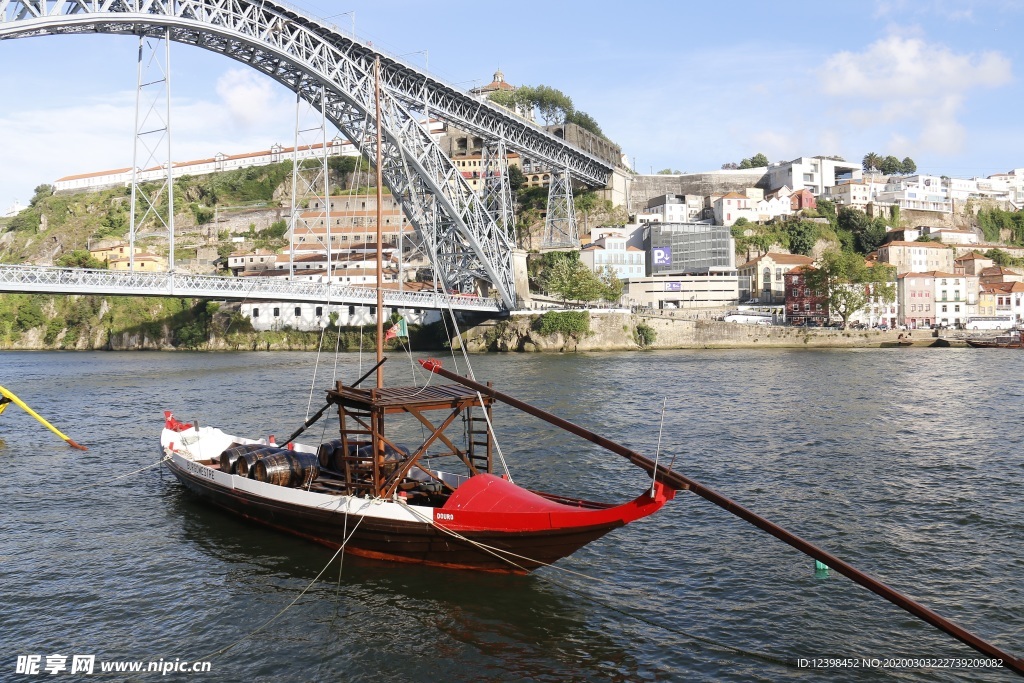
x,y
618,331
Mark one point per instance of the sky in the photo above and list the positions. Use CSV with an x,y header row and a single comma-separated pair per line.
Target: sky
x,y
678,84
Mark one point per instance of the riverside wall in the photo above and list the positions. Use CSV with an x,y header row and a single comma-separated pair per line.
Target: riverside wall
x,y
617,332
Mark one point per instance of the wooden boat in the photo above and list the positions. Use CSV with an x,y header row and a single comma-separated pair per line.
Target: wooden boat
x,y
1010,340
387,501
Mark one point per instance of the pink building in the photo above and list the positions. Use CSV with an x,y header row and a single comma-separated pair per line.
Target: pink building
x,y
915,293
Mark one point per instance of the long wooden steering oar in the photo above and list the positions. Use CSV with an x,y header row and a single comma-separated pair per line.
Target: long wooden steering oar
x,y
8,397
680,482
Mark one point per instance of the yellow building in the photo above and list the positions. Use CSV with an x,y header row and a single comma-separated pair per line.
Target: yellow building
x,y
147,263
108,254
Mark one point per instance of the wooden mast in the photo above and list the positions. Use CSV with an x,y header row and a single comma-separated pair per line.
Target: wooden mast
x,y
380,215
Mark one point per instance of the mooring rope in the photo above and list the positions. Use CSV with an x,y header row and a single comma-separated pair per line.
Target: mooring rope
x,y
505,556
105,481
291,604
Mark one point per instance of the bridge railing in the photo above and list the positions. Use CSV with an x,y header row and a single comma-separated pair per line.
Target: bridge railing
x,y
22,278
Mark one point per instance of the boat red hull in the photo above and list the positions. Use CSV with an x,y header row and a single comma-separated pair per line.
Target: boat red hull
x,y
505,551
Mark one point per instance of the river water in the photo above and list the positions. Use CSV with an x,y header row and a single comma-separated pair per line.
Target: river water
x,y
905,462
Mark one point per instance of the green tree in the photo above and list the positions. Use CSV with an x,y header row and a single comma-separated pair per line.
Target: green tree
x,y
848,283
872,236
871,161
852,220
79,258
803,235
827,209
758,160
908,167
584,121
668,171
505,98
40,193
999,257
552,104
516,179
613,286
29,315
890,165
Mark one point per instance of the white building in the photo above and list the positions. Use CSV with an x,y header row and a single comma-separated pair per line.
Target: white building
x,y
854,193
685,291
613,251
812,173
14,210
731,207
279,315
1013,184
917,193
675,208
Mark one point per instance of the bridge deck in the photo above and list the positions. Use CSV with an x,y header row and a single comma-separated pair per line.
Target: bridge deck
x,y
51,280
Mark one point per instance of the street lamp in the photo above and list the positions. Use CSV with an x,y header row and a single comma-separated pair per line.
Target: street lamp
x,y
350,13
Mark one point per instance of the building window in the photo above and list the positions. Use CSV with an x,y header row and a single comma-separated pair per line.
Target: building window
x,y
255,312
319,311
778,274
277,312
298,311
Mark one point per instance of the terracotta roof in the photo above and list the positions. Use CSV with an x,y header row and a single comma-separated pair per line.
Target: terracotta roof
x,y
116,171
998,270
926,245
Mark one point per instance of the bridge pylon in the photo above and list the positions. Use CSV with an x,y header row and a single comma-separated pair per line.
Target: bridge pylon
x,y
560,229
497,193
153,139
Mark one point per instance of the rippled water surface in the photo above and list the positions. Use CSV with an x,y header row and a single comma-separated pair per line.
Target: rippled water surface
x,y
905,462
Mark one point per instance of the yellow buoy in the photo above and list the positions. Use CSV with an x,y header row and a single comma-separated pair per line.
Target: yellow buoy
x,y
7,398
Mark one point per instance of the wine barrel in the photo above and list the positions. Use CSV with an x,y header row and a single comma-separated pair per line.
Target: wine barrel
x,y
244,463
287,468
337,462
325,454
233,453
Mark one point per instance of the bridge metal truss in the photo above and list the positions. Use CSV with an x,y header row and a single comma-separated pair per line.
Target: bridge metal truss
x,y
319,63
50,280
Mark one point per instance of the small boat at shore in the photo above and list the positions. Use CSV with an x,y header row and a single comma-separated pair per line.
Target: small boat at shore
x,y
1010,340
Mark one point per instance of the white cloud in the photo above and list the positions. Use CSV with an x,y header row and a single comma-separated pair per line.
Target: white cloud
x,y
915,90
247,96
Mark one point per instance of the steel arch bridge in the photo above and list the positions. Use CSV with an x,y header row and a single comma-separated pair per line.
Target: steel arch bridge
x,y
334,71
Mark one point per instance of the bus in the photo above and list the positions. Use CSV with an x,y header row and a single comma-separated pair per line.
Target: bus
x,y
749,317
989,322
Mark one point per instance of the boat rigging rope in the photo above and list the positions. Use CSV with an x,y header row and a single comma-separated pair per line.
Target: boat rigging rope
x,y
506,556
490,428
291,604
105,481
330,278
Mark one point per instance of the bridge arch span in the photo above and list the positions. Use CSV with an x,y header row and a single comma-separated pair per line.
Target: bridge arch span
x,y
327,68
